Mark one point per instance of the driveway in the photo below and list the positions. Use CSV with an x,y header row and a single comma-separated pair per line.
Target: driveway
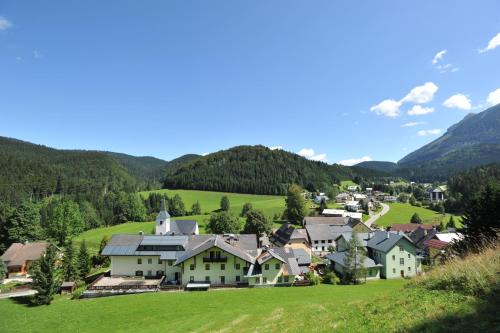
x,y
373,218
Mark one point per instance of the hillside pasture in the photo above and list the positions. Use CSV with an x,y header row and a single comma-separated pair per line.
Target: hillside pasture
x,y
402,212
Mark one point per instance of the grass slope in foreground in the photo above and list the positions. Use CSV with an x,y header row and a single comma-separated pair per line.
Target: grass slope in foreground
x,y
402,212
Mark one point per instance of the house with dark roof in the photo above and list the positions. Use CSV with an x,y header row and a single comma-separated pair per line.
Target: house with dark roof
x,y
19,257
396,252
410,227
288,236
273,266
322,236
337,262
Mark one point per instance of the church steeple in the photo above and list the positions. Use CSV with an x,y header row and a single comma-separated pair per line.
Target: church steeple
x,y
162,220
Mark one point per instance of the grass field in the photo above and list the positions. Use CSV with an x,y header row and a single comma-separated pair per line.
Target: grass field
x,y
380,306
344,184
210,201
401,213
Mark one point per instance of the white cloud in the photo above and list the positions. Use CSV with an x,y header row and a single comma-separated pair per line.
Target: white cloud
x,y
493,43
204,154
388,107
458,101
276,148
4,23
353,161
309,154
439,56
494,97
418,110
421,94
429,132
413,123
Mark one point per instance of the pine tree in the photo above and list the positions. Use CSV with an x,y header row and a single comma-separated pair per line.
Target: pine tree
x,y
415,218
3,270
247,207
43,275
322,205
354,260
84,261
225,204
451,223
24,224
196,208
103,260
69,270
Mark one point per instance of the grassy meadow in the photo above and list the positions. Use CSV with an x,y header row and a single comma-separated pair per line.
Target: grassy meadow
x,y
402,212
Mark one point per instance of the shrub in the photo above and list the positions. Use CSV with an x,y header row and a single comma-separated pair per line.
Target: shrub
x,y
313,278
331,278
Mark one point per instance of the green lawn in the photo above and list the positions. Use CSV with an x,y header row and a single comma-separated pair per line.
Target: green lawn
x,y
210,201
401,213
381,306
344,184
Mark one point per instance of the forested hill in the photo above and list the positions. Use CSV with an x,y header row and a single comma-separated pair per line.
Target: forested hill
x,y
257,169
36,171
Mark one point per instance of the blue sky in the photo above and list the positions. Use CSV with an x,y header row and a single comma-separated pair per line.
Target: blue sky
x,y
334,80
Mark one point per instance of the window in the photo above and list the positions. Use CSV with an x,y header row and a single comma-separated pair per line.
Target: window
x,y
264,279
409,269
280,279
316,242
237,278
207,267
191,279
159,273
409,256
191,267
159,261
393,257
222,267
138,273
237,266
207,278
257,280
222,279
170,262
323,242
329,241
150,261
150,273
277,266
286,278
394,271
266,267
402,261
401,249
139,261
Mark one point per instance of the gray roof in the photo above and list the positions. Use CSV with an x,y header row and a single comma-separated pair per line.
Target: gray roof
x,y
183,227
339,257
283,254
163,215
122,245
270,253
385,241
362,236
303,258
326,220
222,242
326,232
164,240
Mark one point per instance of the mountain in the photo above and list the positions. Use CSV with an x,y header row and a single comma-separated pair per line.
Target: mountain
x,y
473,141
177,162
378,166
257,169
31,170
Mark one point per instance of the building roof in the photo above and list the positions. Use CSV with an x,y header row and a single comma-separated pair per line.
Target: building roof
x,y
333,212
327,220
436,244
326,232
183,227
267,255
353,215
226,243
409,227
291,266
384,240
362,236
303,258
163,215
285,233
18,253
448,237
339,258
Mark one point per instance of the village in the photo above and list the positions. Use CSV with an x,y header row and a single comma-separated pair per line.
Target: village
x,y
334,245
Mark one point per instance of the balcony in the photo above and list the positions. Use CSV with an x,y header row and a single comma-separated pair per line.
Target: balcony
x,y
214,259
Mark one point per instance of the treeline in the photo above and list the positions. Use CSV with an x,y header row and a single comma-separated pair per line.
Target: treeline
x,y
60,218
257,170
35,172
465,186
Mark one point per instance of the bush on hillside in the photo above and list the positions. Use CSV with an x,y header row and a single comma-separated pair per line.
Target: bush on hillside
x,y
331,278
313,278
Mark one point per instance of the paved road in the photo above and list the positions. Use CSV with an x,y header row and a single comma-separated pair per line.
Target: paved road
x,y
373,218
26,292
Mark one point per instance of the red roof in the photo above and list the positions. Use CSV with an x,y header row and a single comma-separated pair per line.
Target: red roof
x,y
436,244
408,227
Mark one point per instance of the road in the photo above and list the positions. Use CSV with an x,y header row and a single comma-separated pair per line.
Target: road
x,y
26,292
373,218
